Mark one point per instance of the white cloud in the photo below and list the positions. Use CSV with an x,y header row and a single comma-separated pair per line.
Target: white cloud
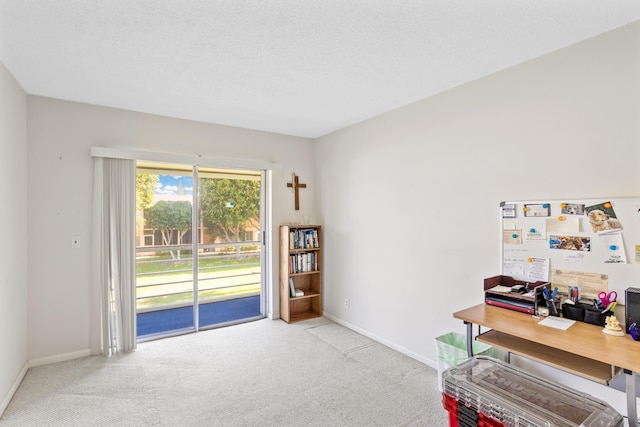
x,y
169,189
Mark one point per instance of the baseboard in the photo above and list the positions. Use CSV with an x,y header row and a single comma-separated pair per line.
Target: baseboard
x,y
14,387
396,347
59,358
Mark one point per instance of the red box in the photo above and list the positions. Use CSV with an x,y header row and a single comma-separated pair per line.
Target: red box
x,y
450,404
485,421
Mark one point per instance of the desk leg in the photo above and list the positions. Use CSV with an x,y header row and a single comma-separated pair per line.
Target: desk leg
x,y
469,339
631,398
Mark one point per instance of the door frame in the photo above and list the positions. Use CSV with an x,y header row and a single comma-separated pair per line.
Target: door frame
x,y
266,253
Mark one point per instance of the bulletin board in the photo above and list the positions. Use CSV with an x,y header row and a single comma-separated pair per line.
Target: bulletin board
x,y
593,244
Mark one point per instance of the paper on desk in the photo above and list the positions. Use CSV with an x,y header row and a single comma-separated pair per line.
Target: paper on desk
x,y
500,288
557,323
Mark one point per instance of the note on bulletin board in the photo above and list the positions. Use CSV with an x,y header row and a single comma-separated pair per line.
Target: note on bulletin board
x,y
590,284
563,225
512,237
612,248
538,269
536,234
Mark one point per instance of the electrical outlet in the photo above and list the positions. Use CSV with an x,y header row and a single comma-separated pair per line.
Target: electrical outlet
x,y
346,303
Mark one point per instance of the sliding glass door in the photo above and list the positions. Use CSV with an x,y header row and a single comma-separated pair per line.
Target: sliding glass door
x,y
198,248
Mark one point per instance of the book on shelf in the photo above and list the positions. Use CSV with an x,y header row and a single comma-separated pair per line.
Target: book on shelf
x,y
293,291
303,238
303,262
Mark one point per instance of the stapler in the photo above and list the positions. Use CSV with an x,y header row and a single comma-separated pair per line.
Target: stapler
x,y
518,289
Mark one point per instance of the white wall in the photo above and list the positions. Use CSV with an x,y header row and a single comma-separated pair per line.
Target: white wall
x,y
409,199
13,250
62,308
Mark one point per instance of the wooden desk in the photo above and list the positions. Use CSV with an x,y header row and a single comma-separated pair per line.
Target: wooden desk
x,y
583,349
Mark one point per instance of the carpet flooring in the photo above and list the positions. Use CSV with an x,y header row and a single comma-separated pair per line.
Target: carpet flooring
x,y
155,322
262,373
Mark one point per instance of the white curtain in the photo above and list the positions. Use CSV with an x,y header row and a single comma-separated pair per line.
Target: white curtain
x,y
114,219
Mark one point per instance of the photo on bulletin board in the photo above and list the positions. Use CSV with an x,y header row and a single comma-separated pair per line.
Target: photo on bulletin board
x,y
602,217
537,210
571,243
572,209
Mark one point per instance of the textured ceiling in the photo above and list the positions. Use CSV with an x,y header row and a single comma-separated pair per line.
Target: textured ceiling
x,y
299,67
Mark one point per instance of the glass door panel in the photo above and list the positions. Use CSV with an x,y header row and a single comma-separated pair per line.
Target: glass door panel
x,y
230,245
164,251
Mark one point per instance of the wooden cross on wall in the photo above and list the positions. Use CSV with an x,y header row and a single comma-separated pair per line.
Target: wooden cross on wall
x,y
296,185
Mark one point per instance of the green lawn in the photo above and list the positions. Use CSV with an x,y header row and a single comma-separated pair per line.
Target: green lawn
x,y
166,264
169,270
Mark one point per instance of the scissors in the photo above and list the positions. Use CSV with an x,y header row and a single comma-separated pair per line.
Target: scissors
x,y
607,298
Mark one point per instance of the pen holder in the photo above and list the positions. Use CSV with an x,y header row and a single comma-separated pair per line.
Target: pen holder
x,y
542,302
585,313
556,305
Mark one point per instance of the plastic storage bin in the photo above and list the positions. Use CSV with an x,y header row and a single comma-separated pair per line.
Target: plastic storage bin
x,y
488,392
452,350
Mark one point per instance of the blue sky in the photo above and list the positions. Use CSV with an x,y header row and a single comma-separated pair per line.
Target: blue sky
x,y
168,184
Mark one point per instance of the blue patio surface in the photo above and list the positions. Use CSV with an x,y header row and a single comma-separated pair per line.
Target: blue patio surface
x,y
154,322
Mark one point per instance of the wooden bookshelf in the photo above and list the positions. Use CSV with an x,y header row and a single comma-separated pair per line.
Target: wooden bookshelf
x,y
300,262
